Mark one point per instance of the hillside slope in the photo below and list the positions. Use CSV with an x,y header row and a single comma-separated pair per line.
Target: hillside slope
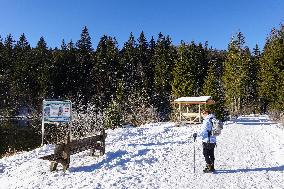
x,y
250,154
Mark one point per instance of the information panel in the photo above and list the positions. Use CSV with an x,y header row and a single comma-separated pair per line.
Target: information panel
x,y
56,111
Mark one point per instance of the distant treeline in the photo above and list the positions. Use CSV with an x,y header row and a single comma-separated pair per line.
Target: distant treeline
x,y
143,73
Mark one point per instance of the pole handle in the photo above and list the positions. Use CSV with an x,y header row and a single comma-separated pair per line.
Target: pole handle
x,y
194,136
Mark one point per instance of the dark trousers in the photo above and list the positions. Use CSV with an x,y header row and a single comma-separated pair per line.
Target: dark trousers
x,y
208,152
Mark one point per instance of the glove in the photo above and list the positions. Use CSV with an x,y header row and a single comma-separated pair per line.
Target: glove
x,y
194,136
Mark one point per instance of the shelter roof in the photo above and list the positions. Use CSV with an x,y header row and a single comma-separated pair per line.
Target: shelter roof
x,y
195,100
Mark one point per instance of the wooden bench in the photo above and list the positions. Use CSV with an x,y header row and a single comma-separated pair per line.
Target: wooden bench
x,y
63,151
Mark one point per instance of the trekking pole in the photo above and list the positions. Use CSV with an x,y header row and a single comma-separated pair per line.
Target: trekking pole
x,y
194,139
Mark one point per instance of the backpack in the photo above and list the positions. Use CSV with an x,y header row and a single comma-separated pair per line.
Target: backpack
x,y
217,126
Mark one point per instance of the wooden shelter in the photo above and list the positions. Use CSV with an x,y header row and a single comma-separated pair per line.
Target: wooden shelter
x,y
189,108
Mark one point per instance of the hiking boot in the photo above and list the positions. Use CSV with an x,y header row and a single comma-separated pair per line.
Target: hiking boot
x,y
206,168
211,167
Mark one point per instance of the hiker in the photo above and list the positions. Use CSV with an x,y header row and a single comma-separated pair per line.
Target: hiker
x,y
208,140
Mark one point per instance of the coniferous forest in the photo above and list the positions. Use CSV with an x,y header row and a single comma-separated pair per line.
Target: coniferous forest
x,y
145,75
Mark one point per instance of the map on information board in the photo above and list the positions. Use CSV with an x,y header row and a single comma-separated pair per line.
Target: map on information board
x,y
56,111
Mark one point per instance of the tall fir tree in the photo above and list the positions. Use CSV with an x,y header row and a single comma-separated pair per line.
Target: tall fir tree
x,y
183,75
163,60
252,97
213,87
190,69
105,71
85,59
7,64
129,66
246,88
201,67
59,73
21,73
235,74
272,71
72,70
150,74
144,67
41,64
3,78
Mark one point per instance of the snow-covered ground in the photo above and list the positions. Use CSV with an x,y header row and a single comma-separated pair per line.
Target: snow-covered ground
x,y
250,154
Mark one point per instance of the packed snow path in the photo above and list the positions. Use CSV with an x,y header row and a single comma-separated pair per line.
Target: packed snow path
x,y
250,154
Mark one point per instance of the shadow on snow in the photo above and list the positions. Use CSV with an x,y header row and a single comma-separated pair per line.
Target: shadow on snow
x,y
109,162
280,168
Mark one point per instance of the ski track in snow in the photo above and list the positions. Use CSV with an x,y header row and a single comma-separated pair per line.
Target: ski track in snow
x,y
250,154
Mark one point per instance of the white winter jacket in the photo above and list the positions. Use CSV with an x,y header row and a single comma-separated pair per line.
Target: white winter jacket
x,y
207,126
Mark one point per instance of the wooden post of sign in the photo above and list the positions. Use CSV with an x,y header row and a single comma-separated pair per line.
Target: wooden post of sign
x,y
199,109
179,109
42,128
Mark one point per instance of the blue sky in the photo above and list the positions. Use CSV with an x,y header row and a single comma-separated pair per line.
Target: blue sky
x,y
214,21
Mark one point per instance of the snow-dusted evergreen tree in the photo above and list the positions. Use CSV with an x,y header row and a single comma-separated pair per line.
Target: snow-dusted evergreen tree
x,y
129,66
251,99
255,79
200,66
132,92
72,72
150,73
41,64
21,73
183,72
105,71
190,69
235,74
85,61
3,79
7,56
58,73
272,72
113,115
163,60
139,111
213,87
64,72
144,68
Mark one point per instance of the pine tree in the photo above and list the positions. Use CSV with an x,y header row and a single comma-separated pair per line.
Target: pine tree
x,y
129,66
151,69
85,60
59,73
246,88
3,79
8,56
112,116
190,69
144,68
252,80
183,74
271,72
201,67
163,60
72,71
212,87
255,78
21,73
235,74
41,65
105,71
